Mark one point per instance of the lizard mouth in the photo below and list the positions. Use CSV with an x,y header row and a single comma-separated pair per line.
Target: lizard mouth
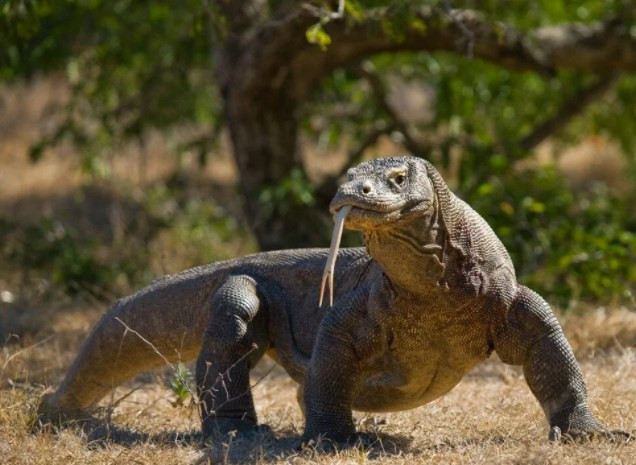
x,y
376,210
362,216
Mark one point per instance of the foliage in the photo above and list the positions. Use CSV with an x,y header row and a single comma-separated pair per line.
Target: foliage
x,y
568,245
135,66
182,383
317,35
131,66
572,247
292,191
71,255
66,258
199,230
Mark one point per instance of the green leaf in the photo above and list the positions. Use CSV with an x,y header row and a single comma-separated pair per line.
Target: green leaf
x,y
317,35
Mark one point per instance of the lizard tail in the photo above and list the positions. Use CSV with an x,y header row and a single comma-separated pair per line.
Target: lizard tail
x,y
160,325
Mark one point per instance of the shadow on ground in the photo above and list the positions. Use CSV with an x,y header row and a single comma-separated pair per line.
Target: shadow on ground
x,y
244,449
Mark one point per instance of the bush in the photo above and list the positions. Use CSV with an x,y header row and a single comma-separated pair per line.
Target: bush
x,y
65,257
166,231
567,245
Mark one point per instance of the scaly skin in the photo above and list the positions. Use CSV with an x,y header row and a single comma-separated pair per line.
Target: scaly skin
x,y
432,294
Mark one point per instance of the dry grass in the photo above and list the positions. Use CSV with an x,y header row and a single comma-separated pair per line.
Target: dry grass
x,y
491,417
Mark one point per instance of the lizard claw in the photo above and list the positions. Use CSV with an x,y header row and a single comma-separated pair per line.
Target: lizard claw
x,y
555,434
327,275
618,435
577,435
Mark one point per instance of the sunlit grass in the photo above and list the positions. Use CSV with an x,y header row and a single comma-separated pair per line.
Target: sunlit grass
x,y
491,417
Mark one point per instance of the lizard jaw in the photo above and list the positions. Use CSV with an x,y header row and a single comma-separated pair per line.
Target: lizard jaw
x,y
363,218
368,209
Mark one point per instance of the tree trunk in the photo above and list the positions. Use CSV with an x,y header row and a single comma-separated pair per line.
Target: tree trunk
x,y
264,135
261,101
265,68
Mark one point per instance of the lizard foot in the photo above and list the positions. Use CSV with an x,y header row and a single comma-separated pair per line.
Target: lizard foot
x,y
579,425
586,435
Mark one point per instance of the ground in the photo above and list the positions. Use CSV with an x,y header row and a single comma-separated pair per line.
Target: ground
x,y
491,417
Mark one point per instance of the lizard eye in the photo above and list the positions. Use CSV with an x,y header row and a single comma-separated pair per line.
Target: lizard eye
x,y
399,179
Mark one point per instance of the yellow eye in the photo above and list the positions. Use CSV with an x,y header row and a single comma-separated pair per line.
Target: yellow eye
x,y
399,179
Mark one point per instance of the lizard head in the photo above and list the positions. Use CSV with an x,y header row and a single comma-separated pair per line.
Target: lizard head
x,y
384,191
377,195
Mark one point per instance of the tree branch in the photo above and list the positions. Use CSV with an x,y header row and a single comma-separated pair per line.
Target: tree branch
x,y
598,47
555,123
574,106
325,14
595,47
468,36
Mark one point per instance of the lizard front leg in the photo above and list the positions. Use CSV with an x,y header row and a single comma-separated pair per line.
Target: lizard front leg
x,y
233,341
333,375
530,335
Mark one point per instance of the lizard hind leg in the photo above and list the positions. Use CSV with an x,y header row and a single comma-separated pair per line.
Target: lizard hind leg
x,y
235,339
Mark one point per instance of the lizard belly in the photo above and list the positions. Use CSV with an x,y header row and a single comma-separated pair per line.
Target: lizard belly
x,y
395,390
421,365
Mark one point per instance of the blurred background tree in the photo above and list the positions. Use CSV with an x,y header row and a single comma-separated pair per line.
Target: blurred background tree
x,y
474,86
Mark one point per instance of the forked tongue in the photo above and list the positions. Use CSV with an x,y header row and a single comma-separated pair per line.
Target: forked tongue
x,y
333,253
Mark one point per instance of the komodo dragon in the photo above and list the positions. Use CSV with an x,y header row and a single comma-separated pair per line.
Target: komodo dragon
x,y
432,294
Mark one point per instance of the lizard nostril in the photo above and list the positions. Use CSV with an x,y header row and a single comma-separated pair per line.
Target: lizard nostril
x,y
366,187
